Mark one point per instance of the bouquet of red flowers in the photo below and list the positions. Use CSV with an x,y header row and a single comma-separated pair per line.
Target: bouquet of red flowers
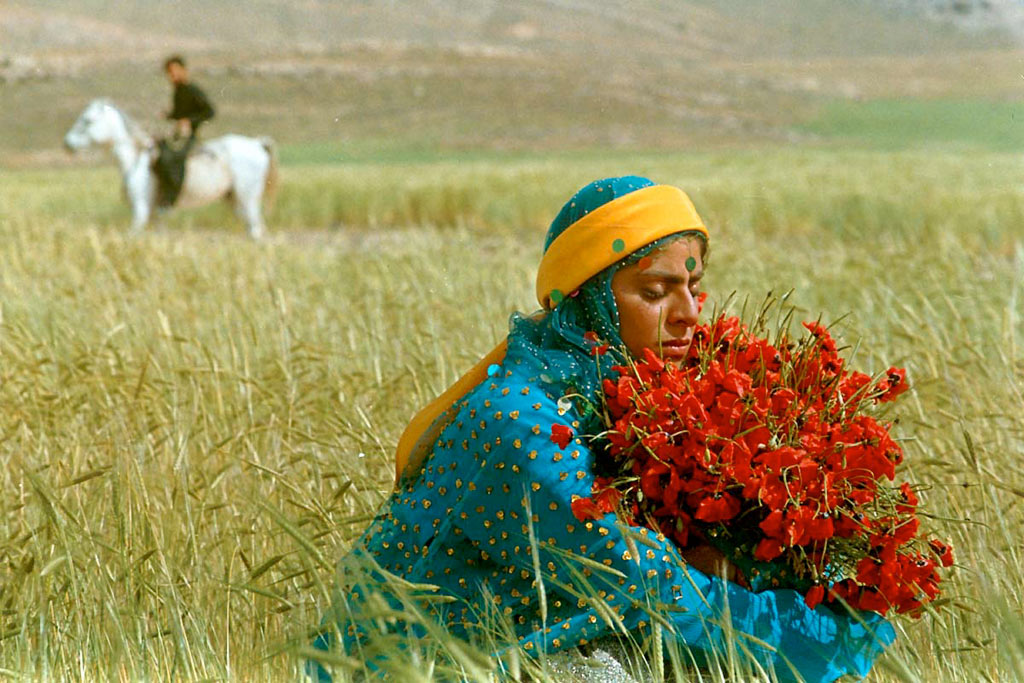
x,y
772,453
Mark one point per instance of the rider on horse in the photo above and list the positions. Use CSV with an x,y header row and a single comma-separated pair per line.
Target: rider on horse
x,y
190,109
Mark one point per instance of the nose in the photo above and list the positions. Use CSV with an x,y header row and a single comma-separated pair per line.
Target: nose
x,y
682,311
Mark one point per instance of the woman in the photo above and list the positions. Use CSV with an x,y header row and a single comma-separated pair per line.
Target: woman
x,y
488,472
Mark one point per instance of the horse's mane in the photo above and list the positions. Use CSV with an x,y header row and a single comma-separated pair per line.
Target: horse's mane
x,y
137,132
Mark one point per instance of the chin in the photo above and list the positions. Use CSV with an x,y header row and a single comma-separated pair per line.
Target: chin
x,y
675,356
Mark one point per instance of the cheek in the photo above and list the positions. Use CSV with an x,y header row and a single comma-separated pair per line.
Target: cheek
x,y
638,321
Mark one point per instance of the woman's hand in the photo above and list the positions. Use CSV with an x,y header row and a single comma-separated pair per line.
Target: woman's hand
x,y
711,561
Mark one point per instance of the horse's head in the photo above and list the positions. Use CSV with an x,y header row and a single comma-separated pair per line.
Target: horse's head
x,y
100,123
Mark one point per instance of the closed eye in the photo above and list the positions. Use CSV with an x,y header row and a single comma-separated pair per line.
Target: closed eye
x,y
651,295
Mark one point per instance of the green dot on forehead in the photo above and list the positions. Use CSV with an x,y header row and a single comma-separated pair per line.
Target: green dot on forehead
x,y
618,245
556,296
691,264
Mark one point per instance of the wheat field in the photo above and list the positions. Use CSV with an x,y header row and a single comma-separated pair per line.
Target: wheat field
x,y
195,427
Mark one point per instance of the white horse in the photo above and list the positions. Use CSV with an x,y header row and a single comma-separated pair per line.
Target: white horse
x,y
231,166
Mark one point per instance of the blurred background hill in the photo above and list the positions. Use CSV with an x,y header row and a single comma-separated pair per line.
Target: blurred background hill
x,y
411,78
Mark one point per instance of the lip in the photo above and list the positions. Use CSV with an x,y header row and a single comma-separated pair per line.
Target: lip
x,y
675,348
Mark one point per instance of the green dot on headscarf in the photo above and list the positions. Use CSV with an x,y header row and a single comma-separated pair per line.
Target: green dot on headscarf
x,y
618,245
556,296
691,264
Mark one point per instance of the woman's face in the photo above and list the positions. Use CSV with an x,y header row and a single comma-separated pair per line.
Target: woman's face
x,y
657,299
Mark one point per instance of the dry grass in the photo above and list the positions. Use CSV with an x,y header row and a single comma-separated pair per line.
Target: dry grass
x,y
196,427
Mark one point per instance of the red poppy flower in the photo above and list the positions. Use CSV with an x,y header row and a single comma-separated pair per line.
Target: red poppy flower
x,y
585,509
768,549
596,347
892,385
772,525
718,509
773,442
561,435
871,600
814,596
607,499
943,551
853,385
822,334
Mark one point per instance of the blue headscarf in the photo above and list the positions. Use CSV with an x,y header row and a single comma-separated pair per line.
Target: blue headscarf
x,y
554,344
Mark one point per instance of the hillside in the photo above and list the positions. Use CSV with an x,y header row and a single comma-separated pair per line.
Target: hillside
x,y
637,29
344,79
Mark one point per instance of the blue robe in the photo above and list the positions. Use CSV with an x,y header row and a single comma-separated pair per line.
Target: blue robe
x,y
487,519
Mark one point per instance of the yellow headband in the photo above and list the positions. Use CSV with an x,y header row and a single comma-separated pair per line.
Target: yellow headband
x,y
602,237
608,234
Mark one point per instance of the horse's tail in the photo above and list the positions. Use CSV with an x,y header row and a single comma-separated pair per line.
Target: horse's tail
x,y
270,182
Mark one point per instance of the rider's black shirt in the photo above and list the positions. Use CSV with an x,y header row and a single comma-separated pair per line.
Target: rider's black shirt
x,y
190,103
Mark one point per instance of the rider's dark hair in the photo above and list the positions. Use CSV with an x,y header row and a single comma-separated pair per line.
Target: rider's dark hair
x,y
174,59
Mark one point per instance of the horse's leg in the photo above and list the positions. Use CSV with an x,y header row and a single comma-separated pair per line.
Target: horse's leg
x,y
140,215
141,187
248,202
142,209
254,216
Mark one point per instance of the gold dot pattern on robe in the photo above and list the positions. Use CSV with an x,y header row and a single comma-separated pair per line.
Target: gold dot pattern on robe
x,y
493,473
